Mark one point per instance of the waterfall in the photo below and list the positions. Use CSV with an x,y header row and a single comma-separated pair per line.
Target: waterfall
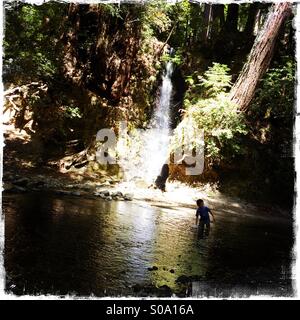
x,y
150,149
156,151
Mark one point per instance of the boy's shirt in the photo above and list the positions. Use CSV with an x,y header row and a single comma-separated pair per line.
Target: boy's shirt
x,y
203,212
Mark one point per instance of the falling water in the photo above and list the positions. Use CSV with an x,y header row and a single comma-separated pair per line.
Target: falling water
x,y
151,149
156,151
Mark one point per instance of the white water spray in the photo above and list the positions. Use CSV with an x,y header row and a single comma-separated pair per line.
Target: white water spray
x,y
158,136
150,149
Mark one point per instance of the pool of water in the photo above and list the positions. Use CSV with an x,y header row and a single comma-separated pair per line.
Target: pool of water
x,y
73,245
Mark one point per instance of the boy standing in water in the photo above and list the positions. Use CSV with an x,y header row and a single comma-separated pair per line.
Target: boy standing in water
x,y
203,212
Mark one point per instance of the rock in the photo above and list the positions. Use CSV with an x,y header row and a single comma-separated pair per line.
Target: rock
x,y
105,193
22,182
128,197
117,194
75,193
109,198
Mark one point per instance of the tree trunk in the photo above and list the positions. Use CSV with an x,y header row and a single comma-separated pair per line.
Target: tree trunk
x,y
248,31
218,13
260,56
207,22
232,17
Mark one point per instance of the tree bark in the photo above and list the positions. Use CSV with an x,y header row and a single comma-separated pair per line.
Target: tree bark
x,y
207,22
218,13
253,9
260,56
231,23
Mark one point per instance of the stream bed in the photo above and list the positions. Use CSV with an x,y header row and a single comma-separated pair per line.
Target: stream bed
x,y
72,245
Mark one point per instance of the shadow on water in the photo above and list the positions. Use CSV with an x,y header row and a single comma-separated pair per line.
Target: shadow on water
x,y
62,245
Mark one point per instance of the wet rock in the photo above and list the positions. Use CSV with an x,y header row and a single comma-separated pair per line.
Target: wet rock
x,y
75,193
109,198
128,197
104,193
117,194
22,182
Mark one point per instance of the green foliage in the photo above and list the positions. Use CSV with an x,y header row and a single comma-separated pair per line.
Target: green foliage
x,y
177,59
275,94
72,112
156,19
212,111
215,80
222,124
31,49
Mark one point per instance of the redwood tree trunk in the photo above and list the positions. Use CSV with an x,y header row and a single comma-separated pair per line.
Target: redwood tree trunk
x,y
248,31
260,56
231,23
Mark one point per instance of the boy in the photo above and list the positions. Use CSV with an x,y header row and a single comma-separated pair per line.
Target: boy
x,y
203,212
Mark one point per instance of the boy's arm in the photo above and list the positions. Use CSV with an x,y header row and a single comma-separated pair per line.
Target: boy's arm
x,y
197,219
214,220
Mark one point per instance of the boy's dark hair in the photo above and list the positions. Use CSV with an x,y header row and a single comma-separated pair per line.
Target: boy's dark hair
x,y
199,202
